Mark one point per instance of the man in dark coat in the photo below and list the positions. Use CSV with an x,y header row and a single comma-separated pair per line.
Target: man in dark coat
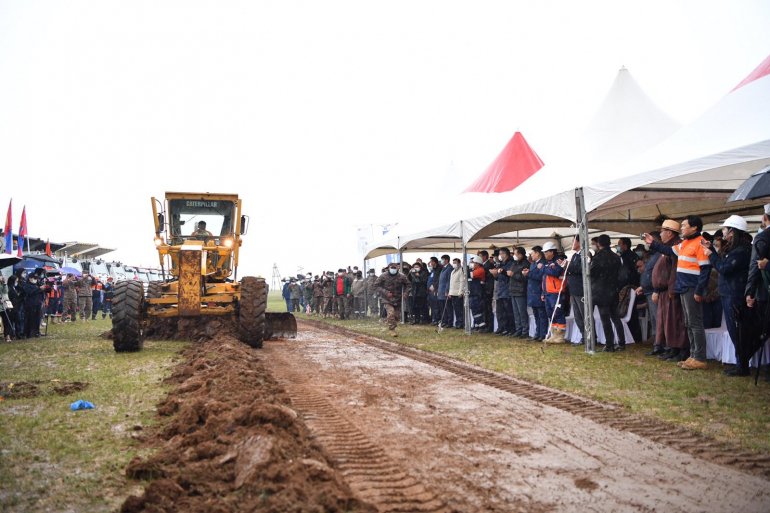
x,y
575,285
605,266
34,294
489,290
629,277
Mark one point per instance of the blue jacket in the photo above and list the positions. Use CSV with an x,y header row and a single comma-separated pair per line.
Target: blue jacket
x,y
645,280
443,282
433,278
534,285
285,293
733,269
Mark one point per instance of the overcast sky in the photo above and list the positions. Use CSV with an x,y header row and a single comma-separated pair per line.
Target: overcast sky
x,y
322,115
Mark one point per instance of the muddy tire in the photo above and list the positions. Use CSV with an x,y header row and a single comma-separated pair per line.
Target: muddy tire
x,y
251,311
154,289
127,311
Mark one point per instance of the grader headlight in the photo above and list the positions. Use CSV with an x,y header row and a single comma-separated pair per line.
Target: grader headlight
x,y
228,243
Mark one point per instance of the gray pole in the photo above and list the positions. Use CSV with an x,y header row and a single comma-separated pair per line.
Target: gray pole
x,y
582,220
400,269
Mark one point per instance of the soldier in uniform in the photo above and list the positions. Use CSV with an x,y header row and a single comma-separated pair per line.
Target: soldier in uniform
x,y
318,295
342,292
390,286
70,284
84,296
328,293
371,293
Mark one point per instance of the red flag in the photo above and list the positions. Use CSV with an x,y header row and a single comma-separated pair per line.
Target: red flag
x,y
48,248
8,230
22,232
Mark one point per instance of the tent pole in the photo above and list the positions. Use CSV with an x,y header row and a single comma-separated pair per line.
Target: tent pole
x,y
400,269
466,295
588,319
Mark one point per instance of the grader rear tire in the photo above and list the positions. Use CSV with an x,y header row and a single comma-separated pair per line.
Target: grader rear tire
x,y
154,289
251,311
127,309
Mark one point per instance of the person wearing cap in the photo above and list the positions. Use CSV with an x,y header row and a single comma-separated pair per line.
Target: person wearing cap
x,y
535,299
341,293
553,282
286,294
692,275
390,287
84,296
605,266
295,292
328,294
732,264
670,334
70,293
371,293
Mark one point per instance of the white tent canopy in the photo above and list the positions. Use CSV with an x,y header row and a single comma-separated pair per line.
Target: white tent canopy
x,y
693,171
626,123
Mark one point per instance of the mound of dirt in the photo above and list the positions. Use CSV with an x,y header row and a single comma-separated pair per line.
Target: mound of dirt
x,y
233,443
25,389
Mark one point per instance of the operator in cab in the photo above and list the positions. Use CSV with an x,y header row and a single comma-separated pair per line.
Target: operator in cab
x,y
201,233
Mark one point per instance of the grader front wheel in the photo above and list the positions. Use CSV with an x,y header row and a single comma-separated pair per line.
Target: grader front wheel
x,y
251,311
127,312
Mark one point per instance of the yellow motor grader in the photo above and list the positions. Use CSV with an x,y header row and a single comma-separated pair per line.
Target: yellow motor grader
x,y
198,237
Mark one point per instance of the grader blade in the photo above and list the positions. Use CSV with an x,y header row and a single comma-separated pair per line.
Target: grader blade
x,y
280,325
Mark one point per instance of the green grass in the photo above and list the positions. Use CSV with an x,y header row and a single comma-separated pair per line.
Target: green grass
x,y
726,408
275,302
54,459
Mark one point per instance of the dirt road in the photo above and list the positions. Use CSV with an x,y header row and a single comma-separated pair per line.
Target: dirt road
x,y
409,435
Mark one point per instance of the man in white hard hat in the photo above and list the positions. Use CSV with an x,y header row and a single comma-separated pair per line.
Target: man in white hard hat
x,y
552,288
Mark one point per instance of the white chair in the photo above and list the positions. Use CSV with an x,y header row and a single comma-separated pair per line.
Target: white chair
x,y
600,338
715,341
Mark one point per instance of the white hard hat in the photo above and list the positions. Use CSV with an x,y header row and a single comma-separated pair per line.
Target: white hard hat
x,y
736,222
549,246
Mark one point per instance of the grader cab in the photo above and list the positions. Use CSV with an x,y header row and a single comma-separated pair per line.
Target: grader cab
x,y
198,238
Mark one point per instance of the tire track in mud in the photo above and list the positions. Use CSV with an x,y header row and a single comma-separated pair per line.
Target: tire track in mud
x,y
681,439
372,475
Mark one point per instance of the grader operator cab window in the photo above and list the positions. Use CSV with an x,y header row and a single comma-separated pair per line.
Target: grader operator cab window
x,y
186,214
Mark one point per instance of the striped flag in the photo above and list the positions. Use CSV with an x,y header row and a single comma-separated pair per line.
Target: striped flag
x,y
8,230
23,235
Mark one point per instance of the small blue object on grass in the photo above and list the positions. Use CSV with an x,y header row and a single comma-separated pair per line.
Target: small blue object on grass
x,y
80,404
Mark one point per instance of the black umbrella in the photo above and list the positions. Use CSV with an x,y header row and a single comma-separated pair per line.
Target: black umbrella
x,y
755,187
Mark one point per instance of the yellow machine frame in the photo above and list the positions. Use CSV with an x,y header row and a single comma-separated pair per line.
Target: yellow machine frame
x,y
199,269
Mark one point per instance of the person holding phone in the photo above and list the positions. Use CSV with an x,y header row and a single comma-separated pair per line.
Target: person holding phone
x,y
692,275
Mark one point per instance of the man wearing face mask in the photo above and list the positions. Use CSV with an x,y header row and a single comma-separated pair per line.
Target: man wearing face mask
x,y
575,285
488,290
518,285
445,314
476,294
457,287
418,293
535,299
434,271
502,273
552,289
390,287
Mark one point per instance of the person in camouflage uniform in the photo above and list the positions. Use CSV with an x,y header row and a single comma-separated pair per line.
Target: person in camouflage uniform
x,y
308,292
342,293
328,294
84,296
318,296
390,287
371,293
70,284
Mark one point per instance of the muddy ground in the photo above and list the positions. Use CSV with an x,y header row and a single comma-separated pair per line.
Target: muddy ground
x,y
331,422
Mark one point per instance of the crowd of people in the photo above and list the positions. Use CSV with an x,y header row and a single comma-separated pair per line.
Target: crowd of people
x,y
681,281
30,300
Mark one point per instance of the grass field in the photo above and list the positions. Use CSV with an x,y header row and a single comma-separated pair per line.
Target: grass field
x,y
54,459
706,401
